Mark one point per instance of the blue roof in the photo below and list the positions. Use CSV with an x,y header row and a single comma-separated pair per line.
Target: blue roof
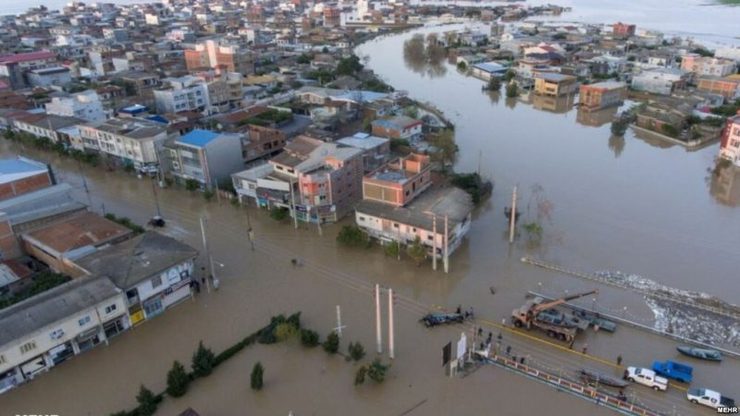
x,y
366,96
491,67
13,166
198,138
158,119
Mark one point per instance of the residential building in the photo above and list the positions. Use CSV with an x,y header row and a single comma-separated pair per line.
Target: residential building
x,y
49,328
728,87
57,76
601,95
246,182
21,175
488,70
708,66
729,148
440,218
261,141
211,54
153,270
553,84
205,156
728,53
85,105
58,129
61,242
398,127
398,182
662,81
15,66
132,141
623,30
186,93
375,150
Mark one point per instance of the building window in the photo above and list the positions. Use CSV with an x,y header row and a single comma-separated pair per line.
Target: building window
x,y
395,225
362,218
84,321
56,334
29,346
111,308
156,281
2,359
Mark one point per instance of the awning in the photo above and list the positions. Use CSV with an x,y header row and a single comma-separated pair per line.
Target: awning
x,y
88,334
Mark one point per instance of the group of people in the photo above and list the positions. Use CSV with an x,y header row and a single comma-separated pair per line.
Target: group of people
x,y
468,314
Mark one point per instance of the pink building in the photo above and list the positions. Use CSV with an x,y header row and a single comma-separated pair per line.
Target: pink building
x,y
729,148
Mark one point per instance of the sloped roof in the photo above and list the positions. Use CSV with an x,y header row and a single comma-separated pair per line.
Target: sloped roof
x,y
198,138
132,261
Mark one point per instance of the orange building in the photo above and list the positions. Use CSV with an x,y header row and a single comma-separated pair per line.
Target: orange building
x,y
398,182
602,95
728,87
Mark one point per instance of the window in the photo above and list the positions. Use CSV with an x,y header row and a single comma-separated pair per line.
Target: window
x,y
395,225
84,321
111,308
362,218
29,346
157,281
56,334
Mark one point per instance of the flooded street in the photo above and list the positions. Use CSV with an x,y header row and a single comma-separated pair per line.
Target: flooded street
x,y
633,205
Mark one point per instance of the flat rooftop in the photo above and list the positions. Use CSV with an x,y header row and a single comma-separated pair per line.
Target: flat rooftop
x,y
129,127
82,229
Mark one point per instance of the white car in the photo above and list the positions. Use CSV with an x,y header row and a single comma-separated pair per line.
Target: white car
x,y
709,398
646,378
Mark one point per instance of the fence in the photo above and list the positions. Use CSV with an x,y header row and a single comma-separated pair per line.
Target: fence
x,y
577,389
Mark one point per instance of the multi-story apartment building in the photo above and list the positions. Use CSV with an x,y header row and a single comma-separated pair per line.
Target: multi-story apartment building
x,y
205,156
708,66
730,144
398,127
728,87
601,95
211,54
553,84
85,105
15,66
45,330
132,141
186,93
663,81
623,30
399,181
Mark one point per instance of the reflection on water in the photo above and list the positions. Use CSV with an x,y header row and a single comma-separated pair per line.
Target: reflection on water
x,y
725,186
425,56
616,144
559,105
596,118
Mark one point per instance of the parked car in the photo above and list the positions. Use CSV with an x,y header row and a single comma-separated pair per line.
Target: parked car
x,y
434,319
646,378
709,398
674,370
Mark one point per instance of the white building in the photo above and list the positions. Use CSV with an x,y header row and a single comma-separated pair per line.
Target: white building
x,y
85,105
133,141
659,81
43,331
188,93
47,77
728,53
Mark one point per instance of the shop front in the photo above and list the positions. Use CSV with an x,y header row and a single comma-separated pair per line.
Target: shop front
x,y
88,339
32,367
61,352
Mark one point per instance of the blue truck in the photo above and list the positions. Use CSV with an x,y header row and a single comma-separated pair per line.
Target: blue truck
x,y
674,370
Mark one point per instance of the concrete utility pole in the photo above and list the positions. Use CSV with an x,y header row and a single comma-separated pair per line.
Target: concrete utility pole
x,y
250,232
447,246
339,322
391,350
292,206
205,250
378,326
434,242
512,218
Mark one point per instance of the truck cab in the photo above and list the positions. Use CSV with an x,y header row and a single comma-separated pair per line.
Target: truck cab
x,y
646,378
709,398
674,370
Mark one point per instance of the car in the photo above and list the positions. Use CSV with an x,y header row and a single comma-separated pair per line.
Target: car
x,y
646,377
434,319
709,398
674,370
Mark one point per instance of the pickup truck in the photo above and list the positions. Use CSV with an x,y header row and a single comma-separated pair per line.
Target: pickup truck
x,y
709,398
646,378
674,370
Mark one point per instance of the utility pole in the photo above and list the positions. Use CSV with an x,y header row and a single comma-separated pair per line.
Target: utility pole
x,y
391,350
205,249
250,232
447,246
339,322
156,199
378,327
434,242
512,218
292,206
480,156
399,241
84,185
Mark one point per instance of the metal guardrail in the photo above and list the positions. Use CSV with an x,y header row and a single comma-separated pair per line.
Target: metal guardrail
x,y
577,389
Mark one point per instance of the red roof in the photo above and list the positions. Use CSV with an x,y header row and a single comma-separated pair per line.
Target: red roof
x,y
25,57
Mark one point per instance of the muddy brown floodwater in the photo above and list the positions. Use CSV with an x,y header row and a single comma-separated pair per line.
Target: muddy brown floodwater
x,y
618,205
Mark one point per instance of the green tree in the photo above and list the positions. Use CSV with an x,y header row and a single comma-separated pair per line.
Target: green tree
x,y
177,380
208,195
462,66
376,371
534,231
192,185
494,84
331,345
417,251
256,379
285,331
445,142
309,338
349,65
279,214
412,112
356,351
147,402
353,236
203,359
360,375
512,90
392,249
509,75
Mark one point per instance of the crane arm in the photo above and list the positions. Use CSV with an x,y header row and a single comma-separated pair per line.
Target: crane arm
x,y
542,306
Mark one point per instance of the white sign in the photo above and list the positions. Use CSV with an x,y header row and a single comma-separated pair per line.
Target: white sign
x,y
461,346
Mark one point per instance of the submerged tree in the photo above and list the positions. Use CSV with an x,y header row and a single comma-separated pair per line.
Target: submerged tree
x,y
256,377
417,251
177,380
203,360
331,345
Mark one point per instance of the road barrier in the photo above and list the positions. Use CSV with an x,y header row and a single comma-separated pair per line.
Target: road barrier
x,y
578,389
